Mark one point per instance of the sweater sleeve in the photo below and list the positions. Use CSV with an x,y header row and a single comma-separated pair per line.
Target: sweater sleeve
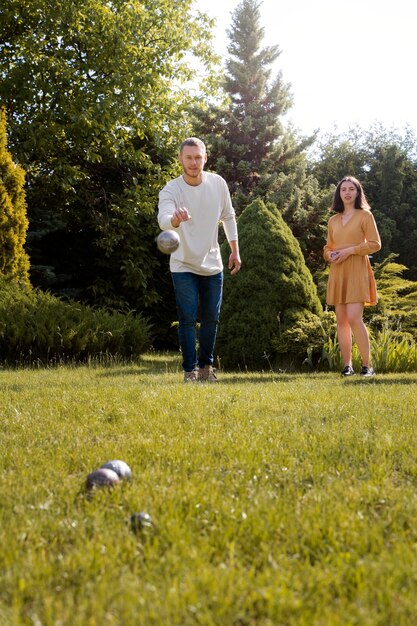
x,y
372,241
329,247
228,215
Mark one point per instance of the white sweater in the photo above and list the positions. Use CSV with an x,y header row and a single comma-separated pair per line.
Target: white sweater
x,y
208,204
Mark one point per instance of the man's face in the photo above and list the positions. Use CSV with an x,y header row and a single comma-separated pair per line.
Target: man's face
x,y
193,159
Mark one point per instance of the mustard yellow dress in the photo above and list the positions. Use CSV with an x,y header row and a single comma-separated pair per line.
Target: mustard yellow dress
x,y
353,280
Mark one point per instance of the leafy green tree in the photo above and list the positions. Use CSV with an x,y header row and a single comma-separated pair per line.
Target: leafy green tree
x,y
394,189
272,295
98,103
14,262
246,140
336,155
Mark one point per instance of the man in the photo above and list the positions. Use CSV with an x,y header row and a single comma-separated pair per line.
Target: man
x,y
193,204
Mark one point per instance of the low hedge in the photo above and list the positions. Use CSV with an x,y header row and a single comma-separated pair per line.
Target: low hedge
x,y
37,326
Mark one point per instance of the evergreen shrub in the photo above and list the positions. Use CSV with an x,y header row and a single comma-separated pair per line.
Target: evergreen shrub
x,y
397,305
305,335
271,297
37,326
14,262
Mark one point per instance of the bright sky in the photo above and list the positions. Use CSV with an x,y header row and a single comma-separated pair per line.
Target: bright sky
x,y
349,63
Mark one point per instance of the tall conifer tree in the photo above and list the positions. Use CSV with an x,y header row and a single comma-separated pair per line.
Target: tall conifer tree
x,y
246,140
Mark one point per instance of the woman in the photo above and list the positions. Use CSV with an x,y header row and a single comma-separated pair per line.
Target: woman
x,y
352,235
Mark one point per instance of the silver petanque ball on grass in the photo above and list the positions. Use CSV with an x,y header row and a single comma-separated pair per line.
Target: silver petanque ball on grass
x,y
120,467
102,477
141,522
168,241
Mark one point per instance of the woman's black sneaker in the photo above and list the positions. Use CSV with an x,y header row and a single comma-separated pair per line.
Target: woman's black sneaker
x,y
347,371
367,371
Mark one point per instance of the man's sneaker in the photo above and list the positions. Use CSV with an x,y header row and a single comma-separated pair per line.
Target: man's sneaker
x,y
347,371
207,374
191,377
367,371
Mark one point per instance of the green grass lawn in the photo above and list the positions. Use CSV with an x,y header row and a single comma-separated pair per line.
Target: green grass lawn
x,y
277,499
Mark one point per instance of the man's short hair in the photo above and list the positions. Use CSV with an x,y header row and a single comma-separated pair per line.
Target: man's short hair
x,y
193,141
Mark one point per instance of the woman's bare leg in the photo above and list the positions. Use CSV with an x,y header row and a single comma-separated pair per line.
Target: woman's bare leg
x,y
354,313
344,333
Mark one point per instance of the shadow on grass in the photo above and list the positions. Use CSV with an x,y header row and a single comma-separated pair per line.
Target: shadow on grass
x,y
12,387
224,378
265,377
381,380
151,368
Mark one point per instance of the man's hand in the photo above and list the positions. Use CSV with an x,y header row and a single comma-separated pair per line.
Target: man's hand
x,y
234,262
180,215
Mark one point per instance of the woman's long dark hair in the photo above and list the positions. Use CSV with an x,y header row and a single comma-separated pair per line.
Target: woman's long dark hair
x,y
360,201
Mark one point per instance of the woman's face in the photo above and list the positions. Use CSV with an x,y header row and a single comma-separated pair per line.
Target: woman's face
x,y
348,193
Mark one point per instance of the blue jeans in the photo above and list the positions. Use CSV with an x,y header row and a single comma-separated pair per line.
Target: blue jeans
x,y
194,293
